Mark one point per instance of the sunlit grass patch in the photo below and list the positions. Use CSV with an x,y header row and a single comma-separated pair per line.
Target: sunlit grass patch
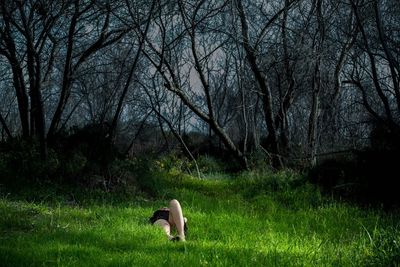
x,y
231,223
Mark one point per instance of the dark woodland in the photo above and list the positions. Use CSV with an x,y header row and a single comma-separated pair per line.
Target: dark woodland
x,y
312,86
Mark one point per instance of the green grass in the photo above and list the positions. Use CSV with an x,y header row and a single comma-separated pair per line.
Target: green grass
x,y
264,220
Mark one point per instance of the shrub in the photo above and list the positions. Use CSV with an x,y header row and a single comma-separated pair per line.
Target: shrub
x,y
73,166
367,176
147,176
20,163
173,163
210,164
257,182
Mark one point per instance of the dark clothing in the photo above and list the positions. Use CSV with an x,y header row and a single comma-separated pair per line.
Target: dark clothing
x,y
164,214
159,214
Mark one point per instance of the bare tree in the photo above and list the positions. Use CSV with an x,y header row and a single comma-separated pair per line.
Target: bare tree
x,y
26,31
262,78
167,68
142,38
104,38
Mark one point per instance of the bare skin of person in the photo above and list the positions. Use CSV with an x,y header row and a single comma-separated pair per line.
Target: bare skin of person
x,y
167,218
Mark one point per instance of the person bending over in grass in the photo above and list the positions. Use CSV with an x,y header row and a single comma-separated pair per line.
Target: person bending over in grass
x,y
171,217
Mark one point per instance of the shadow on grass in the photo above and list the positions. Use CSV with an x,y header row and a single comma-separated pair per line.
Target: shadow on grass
x,y
142,245
29,236
91,249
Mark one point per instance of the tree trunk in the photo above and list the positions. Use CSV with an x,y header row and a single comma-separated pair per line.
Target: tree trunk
x,y
34,71
314,115
261,80
316,84
18,77
393,63
67,75
22,98
5,127
371,56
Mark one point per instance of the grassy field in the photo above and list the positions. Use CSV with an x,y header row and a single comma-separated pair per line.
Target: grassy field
x,y
252,220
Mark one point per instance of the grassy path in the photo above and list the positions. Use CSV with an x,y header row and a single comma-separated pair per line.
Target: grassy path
x,y
230,224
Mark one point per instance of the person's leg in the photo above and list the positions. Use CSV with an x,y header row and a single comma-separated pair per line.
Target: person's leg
x,y
176,218
165,226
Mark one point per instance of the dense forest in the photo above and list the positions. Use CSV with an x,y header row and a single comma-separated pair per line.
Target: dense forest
x,y
289,83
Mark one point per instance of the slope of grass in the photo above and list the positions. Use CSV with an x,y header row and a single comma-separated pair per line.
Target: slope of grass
x,y
253,220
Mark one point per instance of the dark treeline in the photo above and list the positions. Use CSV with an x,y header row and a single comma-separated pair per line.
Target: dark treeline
x,y
287,80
